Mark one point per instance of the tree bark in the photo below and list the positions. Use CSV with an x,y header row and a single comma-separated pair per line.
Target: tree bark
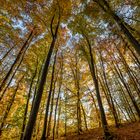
x,y
43,137
58,96
33,115
51,110
95,80
27,104
108,95
84,113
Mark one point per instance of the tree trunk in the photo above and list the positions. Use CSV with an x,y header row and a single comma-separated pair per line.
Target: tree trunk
x,y
95,80
43,137
96,109
2,59
22,50
33,114
36,85
10,80
108,96
58,96
122,25
66,100
27,104
128,89
84,113
9,106
130,73
58,120
122,91
52,104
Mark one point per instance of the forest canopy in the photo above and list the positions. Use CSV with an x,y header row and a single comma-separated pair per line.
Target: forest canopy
x,y
68,66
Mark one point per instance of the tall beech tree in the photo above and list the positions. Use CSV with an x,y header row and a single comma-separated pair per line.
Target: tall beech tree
x,y
95,80
27,104
48,100
33,115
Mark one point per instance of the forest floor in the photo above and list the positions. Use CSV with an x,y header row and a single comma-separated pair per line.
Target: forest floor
x,y
125,132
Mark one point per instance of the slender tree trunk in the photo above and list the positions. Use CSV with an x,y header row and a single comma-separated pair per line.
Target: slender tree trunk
x,y
132,52
95,80
127,87
9,106
2,59
66,114
52,104
36,85
133,78
58,120
84,113
27,104
127,104
109,101
78,104
79,116
43,137
109,97
58,96
51,111
33,114
20,61
22,50
96,109
121,111
76,77
128,90
122,92
39,123
55,112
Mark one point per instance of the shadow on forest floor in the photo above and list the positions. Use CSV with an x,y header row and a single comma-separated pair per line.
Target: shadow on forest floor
x,y
125,132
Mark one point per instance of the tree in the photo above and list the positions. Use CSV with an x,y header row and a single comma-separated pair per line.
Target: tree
x,y
30,124
123,26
